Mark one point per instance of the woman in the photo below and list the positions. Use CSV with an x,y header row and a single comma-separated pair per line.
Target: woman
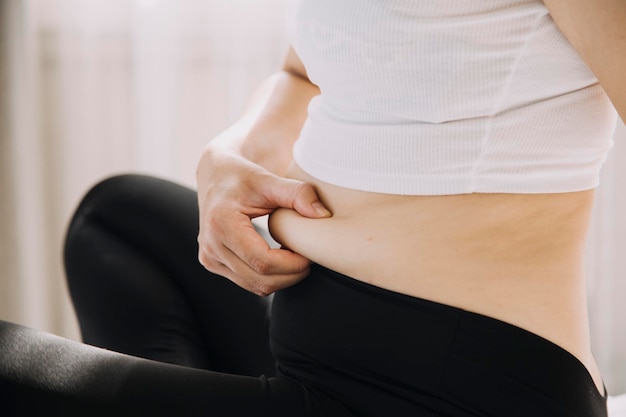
x,y
441,184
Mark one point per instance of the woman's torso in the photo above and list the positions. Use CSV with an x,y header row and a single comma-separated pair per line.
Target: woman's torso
x,y
471,128
514,257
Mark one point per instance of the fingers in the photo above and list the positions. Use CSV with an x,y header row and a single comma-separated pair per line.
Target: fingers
x,y
262,285
255,252
296,195
246,259
231,191
233,268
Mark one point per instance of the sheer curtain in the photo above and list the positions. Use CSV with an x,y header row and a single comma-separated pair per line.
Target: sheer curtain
x,y
90,88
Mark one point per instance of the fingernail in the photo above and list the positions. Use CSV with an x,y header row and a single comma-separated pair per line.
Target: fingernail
x,y
320,209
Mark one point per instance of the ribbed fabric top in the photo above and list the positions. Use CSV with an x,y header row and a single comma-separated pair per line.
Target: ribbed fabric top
x,y
447,97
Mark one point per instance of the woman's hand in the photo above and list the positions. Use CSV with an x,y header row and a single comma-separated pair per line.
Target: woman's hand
x,y
232,191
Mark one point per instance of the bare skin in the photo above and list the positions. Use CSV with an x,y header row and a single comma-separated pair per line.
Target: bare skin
x,y
514,257
517,258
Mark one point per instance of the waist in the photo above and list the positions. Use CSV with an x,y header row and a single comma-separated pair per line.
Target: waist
x,y
415,244
514,257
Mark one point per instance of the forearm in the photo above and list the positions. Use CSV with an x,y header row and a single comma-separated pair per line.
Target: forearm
x,y
241,176
271,122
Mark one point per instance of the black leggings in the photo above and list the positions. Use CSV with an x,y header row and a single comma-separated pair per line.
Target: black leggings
x,y
342,347
137,287
131,258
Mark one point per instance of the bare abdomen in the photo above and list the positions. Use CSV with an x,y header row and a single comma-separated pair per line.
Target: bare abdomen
x,y
514,257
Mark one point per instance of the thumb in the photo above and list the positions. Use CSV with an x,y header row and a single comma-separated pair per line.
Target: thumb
x,y
299,196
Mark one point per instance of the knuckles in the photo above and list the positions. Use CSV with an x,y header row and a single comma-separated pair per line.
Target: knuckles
x,y
260,266
302,190
265,289
207,261
204,260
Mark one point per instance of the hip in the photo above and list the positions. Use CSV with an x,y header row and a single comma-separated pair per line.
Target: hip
x,y
516,258
370,350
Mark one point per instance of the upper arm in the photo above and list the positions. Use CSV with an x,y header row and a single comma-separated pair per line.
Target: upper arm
x,y
274,116
597,30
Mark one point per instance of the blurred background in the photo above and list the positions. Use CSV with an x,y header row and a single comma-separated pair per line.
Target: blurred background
x,y
92,88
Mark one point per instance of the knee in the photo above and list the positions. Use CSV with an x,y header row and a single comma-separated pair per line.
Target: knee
x,y
100,199
103,203
126,205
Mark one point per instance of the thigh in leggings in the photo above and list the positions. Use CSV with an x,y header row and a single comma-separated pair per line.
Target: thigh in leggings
x,y
138,288
45,375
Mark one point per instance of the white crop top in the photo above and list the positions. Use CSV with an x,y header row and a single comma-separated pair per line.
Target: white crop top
x,y
447,97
